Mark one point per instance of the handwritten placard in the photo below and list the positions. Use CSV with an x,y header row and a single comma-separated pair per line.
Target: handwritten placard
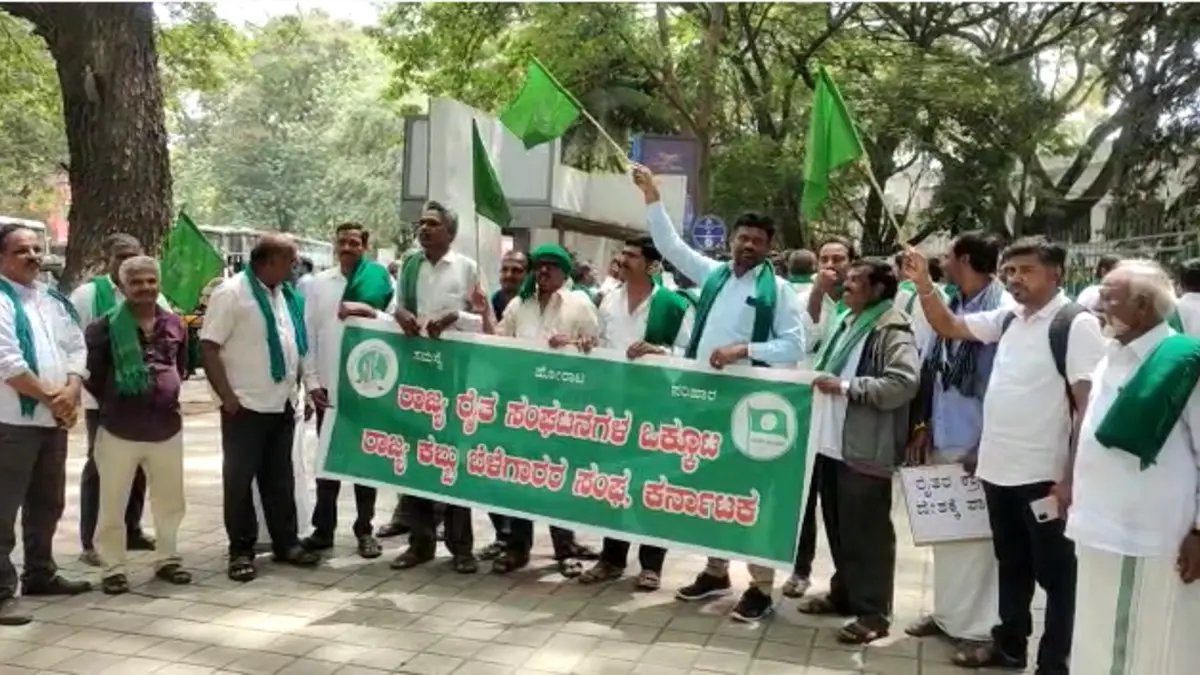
x,y
944,504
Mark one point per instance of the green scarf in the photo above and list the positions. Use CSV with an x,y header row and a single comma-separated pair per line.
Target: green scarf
x,y
129,364
24,333
1176,322
690,294
765,300
295,306
911,288
667,311
800,279
550,253
104,296
369,284
1148,405
410,272
835,352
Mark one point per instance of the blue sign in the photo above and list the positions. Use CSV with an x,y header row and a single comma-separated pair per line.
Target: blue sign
x,y
708,232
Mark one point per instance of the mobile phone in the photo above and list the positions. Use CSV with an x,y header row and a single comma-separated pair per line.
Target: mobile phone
x,y
1044,509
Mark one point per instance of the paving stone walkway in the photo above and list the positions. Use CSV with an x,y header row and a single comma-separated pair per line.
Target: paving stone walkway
x,y
353,617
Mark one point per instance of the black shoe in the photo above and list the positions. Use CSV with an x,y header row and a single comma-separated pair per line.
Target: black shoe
x,y
754,606
138,541
316,542
297,557
392,530
11,614
91,558
368,547
117,584
705,586
55,585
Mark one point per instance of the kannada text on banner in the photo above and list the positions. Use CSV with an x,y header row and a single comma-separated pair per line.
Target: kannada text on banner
x,y
662,450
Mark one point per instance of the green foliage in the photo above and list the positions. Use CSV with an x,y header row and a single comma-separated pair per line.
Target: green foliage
x,y
299,139
32,140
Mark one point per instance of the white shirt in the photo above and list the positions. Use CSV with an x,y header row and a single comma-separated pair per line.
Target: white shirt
x,y
1090,297
82,299
609,284
323,363
303,284
1117,506
1026,419
923,333
1189,313
731,319
620,328
567,313
831,410
443,287
234,322
57,342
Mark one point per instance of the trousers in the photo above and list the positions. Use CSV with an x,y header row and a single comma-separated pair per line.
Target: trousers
x,y
118,461
33,481
257,446
89,491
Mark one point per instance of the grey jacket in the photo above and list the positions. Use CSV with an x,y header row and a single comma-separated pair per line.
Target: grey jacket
x,y
885,383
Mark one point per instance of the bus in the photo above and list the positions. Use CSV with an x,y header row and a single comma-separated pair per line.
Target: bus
x,y
235,243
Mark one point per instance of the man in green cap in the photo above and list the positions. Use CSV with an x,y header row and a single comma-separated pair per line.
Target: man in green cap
x,y
547,311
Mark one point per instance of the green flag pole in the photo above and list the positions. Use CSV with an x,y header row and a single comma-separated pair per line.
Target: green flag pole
x,y
865,167
588,116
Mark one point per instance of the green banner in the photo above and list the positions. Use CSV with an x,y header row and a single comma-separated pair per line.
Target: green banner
x,y
664,451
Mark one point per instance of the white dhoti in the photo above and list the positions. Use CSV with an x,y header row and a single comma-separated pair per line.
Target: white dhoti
x,y
966,582
304,474
1134,616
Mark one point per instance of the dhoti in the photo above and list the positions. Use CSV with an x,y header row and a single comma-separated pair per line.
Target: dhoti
x,y
305,476
1133,616
966,581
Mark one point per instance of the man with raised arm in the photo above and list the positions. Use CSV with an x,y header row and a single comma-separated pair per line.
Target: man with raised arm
x,y
1036,395
746,315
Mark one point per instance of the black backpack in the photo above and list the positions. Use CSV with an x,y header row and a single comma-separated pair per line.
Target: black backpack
x,y
1060,336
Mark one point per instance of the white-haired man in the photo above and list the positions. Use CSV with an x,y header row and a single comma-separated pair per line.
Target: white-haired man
x,y
137,361
1134,516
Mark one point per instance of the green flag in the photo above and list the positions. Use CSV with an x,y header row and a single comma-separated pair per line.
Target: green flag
x,y
832,142
189,262
770,422
543,111
489,196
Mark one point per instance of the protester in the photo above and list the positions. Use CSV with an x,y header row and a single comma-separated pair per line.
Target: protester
x,y
613,278
304,276
355,286
746,315
91,301
906,301
548,312
1188,305
801,270
137,360
870,372
639,318
433,295
955,376
42,363
513,268
1090,296
1037,392
818,311
254,345
1134,517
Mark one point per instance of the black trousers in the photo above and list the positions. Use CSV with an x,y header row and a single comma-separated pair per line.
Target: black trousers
x,y
615,552
33,481
806,548
421,514
857,509
502,525
258,446
1029,553
324,515
89,491
520,538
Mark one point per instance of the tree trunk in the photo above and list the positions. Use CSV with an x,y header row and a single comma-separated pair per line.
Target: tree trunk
x,y
119,170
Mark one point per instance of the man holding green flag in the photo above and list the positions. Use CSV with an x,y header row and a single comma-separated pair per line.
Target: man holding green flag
x,y
832,142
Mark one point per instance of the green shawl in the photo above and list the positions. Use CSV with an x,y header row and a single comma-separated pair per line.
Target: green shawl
x,y
765,300
800,279
835,352
410,272
295,306
132,377
104,296
369,284
1148,405
1176,323
24,332
667,311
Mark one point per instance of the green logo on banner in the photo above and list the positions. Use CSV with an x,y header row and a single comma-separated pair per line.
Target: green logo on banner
x,y
763,425
372,368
